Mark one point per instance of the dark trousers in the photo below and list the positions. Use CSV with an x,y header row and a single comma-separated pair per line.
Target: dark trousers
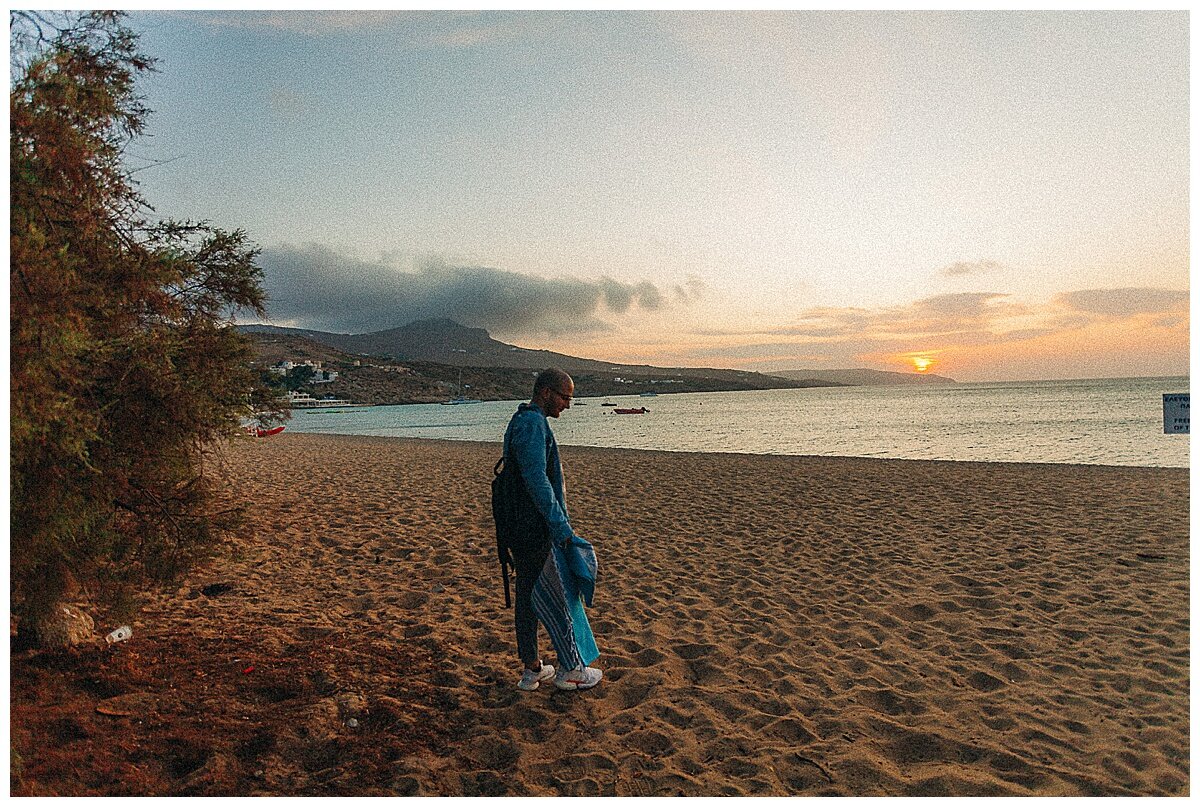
x,y
528,565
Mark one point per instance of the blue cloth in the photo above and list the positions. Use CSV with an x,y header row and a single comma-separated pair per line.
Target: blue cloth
x,y
585,641
561,617
530,440
578,557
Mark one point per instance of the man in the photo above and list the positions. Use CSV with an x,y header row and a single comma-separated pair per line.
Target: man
x,y
546,587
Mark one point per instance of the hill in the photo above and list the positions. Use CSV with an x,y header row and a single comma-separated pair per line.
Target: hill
x,y
861,377
403,372
444,341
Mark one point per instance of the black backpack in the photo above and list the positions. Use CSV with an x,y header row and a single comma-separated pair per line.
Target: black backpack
x,y
520,528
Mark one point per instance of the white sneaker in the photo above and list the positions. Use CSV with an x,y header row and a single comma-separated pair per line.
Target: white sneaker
x,y
531,678
579,678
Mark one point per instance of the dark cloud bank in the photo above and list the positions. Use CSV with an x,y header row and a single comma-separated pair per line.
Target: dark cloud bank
x,y
316,288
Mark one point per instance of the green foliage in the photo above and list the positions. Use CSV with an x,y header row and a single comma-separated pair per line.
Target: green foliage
x,y
124,361
299,377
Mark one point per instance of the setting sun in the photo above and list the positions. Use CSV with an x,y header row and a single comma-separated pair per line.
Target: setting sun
x,y
921,364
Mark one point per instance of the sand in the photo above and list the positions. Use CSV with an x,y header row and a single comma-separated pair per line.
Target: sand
x,y
768,625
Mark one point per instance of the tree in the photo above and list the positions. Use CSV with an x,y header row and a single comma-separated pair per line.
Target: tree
x,y
124,361
299,377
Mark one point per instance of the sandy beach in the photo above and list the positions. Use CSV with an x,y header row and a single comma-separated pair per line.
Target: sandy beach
x,y
767,625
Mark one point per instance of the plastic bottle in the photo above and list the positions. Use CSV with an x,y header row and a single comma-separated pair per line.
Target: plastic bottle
x,y
119,635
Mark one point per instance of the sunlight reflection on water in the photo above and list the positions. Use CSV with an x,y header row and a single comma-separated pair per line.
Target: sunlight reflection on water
x,y
1110,422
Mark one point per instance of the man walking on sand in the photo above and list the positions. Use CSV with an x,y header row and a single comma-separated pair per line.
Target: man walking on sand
x,y
548,589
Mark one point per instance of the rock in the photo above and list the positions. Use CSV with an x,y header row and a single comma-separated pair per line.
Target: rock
x,y
64,626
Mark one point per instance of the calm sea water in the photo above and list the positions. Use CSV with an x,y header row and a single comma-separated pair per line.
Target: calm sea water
x,y
1105,422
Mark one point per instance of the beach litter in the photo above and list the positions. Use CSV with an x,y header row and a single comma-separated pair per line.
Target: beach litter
x,y
119,635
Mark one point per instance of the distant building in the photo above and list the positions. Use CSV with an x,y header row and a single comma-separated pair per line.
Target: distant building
x,y
320,376
302,400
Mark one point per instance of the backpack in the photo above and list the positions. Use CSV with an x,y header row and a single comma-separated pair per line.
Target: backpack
x,y
520,527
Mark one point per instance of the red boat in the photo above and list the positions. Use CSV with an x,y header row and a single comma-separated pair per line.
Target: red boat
x,y
268,432
641,410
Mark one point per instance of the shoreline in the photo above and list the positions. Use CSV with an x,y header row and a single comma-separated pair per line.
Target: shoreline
x,y
849,457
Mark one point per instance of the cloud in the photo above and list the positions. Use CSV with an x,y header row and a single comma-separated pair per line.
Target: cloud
x,y
690,291
956,324
450,30
306,23
619,297
1123,303
964,268
314,287
940,315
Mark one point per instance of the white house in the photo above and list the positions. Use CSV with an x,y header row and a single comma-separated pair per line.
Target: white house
x,y
319,376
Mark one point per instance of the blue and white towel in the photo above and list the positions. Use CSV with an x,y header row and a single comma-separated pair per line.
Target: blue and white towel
x,y
558,600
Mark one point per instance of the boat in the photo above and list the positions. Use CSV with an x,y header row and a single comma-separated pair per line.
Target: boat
x,y
608,403
641,410
648,394
258,431
459,399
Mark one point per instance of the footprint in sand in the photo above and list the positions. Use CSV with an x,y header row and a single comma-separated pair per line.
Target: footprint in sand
x,y
703,671
494,753
692,651
890,702
648,657
792,730
985,682
633,694
919,612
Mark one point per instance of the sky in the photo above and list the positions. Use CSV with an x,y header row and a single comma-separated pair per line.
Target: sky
x,y
981,195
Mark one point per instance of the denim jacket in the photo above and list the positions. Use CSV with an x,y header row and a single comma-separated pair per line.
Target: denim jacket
x,y
529,439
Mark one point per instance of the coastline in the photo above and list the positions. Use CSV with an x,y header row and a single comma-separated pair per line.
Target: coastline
x,y
1117,426
768,624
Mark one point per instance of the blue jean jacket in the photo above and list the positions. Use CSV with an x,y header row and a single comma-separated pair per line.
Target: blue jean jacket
x,y
530,440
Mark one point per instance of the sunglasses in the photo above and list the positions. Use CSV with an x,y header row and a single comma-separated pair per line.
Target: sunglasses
x,y
566,398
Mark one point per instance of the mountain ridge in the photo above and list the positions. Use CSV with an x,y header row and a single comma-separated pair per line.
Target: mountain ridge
x,y
444,341
863,377
432,360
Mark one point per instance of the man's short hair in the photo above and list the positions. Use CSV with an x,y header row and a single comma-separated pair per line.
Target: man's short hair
x,y
551,378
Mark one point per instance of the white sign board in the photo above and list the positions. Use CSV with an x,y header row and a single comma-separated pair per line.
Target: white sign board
x,y
1176,419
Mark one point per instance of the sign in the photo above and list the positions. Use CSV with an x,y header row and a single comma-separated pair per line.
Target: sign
x,y
1176,419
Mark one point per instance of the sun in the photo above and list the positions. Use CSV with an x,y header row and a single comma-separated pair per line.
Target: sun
x,y
921,363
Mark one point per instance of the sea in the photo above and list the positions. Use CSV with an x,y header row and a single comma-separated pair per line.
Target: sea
x,y
1092,422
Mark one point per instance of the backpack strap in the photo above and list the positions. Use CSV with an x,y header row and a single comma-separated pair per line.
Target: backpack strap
x,y
501,550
